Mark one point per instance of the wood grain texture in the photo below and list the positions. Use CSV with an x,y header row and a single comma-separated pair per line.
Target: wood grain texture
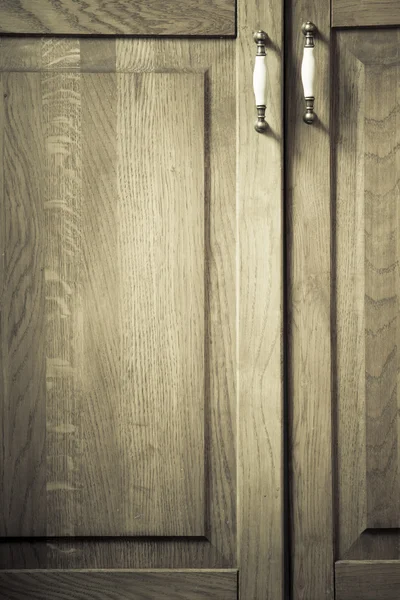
x,y
375,544
382,194
220,276
119,17
260,313
208,61
62,206
3,346
350,292
309,311
367,580
23,425
367,193
161,210
128,584
100,350
350,13
132,384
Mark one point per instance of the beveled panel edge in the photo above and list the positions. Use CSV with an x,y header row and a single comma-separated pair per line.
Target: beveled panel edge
x,y
378,46
375,544
353,57
367,579
349,351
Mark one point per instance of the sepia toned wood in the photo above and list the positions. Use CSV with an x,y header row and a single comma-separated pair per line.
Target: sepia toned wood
x,y
20,554
100,349
3,346
136,356
368,46
309,310
114,552
381,185
23,471
211,59
367,580
350,293
162,300
129,584
85,424
260,312
122,17
62,204
367,172
208,60
375,544
350,13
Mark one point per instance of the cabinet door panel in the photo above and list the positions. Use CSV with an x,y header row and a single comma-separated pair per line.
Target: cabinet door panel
x,y
141,280
343,302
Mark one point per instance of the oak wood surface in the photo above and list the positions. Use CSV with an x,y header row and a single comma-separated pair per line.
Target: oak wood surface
x,y
382,143
120,17
374,544
350,13
309,310
367,580
260,267
133,387
129,584
162,299
367,280
23,358
349,277
205,60
256,431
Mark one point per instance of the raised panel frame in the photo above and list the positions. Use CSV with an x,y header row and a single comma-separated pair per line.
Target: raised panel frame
x,y
68,58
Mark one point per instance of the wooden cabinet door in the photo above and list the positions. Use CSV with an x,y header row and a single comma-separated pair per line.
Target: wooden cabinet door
x,y
344,240
141,452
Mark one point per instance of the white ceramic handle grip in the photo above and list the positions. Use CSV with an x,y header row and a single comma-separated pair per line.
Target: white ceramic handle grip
x,y
308,71
260,81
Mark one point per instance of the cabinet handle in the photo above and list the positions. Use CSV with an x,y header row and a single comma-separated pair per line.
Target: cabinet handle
x,y
308,71
260,81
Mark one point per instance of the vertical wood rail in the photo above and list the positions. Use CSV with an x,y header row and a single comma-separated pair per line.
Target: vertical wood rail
x,y
260,503
308,201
